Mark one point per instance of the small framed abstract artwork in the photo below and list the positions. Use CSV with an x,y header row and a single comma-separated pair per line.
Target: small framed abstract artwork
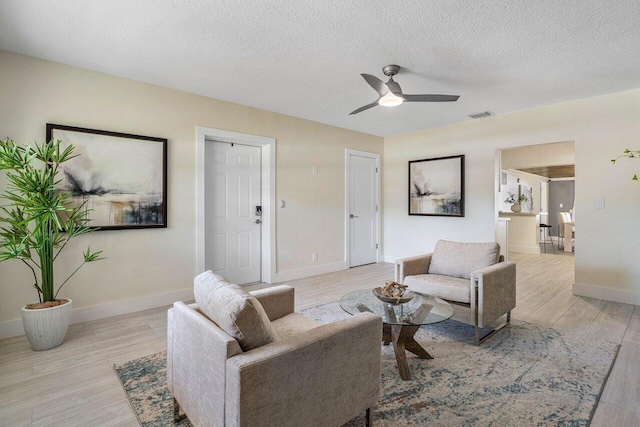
x,y
436,186
121,178
527,191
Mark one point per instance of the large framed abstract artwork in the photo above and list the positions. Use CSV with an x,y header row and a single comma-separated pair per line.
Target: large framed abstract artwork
x,y
121,178
436,186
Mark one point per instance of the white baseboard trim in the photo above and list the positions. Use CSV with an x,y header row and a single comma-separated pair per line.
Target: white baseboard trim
x,y
13,328
389,258
285,276
609,294
525,249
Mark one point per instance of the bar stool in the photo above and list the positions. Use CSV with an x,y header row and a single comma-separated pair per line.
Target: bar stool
x,y
547,233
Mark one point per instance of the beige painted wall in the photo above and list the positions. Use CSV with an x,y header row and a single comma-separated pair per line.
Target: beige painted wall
x,y
554,154
143,263
606,239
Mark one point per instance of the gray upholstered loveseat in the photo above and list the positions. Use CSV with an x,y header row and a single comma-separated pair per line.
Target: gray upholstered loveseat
x,y
271,367
472,276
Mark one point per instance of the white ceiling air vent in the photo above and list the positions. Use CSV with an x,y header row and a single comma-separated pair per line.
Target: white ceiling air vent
x,y
481,115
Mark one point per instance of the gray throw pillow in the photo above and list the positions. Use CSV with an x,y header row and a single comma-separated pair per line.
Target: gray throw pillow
x,y
459,259
235,311
207,282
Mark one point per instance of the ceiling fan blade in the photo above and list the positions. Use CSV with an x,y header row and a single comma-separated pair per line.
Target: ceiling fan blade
x,y
430,98
394,87
366,107
376,83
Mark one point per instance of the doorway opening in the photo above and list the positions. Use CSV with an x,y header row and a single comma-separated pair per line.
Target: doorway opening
x,y
208,245
535,198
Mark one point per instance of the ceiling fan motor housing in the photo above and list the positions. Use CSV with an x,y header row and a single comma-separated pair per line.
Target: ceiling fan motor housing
x,y
391,70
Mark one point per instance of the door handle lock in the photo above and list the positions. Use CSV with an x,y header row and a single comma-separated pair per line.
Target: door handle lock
x,y
257,221
353,216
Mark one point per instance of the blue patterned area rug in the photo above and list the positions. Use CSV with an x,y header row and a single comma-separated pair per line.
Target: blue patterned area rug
x,y
525,375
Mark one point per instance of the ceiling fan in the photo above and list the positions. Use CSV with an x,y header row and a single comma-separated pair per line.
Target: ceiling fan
x,y
390,93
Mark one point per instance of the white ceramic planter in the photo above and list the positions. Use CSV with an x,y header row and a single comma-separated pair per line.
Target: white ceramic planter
x,y
46,328
516,208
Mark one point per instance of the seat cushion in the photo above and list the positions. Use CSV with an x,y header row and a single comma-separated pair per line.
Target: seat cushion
x,y
458,259
293,324
445,287
235,311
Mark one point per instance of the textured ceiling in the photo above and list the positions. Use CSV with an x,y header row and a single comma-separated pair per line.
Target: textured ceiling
x,y
304,57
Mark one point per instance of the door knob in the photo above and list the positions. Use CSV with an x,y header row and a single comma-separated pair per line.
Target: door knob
x,y
353,216
257,221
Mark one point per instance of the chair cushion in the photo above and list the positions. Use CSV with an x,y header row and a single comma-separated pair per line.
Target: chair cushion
x,y
234,310
293,324
445,287
459,259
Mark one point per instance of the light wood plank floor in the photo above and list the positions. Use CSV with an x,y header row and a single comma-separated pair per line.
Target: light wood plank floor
x,y
74,384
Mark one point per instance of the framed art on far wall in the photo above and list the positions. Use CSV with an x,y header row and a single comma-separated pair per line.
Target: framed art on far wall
x,y
436,186
122,178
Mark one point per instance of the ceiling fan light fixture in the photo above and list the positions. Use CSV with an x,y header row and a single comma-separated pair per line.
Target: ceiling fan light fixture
x,y
390,100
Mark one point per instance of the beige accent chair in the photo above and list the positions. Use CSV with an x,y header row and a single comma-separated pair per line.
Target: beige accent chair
x,y
472,277
311,374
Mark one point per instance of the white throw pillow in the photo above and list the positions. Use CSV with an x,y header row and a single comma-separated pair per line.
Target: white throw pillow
x,y
234,310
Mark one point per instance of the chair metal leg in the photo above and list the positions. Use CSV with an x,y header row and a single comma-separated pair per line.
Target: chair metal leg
x,y
479,340
475,315
368,417
176,412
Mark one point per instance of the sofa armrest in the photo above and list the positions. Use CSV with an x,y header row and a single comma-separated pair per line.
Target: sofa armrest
x,y
277,301
412,266
197,351
323,377
496,291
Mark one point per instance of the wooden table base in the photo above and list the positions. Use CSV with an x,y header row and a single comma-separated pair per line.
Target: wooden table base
x,y
402,338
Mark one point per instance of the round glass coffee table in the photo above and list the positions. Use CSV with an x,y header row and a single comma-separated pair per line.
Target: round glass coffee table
x,y
400,322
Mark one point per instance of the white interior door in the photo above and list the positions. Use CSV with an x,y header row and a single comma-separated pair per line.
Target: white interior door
x,y
363,209
232,223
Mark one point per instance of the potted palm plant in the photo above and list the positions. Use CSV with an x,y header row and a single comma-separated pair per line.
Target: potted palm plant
x,y
36,223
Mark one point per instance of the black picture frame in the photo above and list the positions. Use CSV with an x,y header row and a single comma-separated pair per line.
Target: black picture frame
x,y
436,186
122,177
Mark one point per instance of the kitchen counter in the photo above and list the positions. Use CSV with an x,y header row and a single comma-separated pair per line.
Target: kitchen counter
x,y
510,214
524,232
